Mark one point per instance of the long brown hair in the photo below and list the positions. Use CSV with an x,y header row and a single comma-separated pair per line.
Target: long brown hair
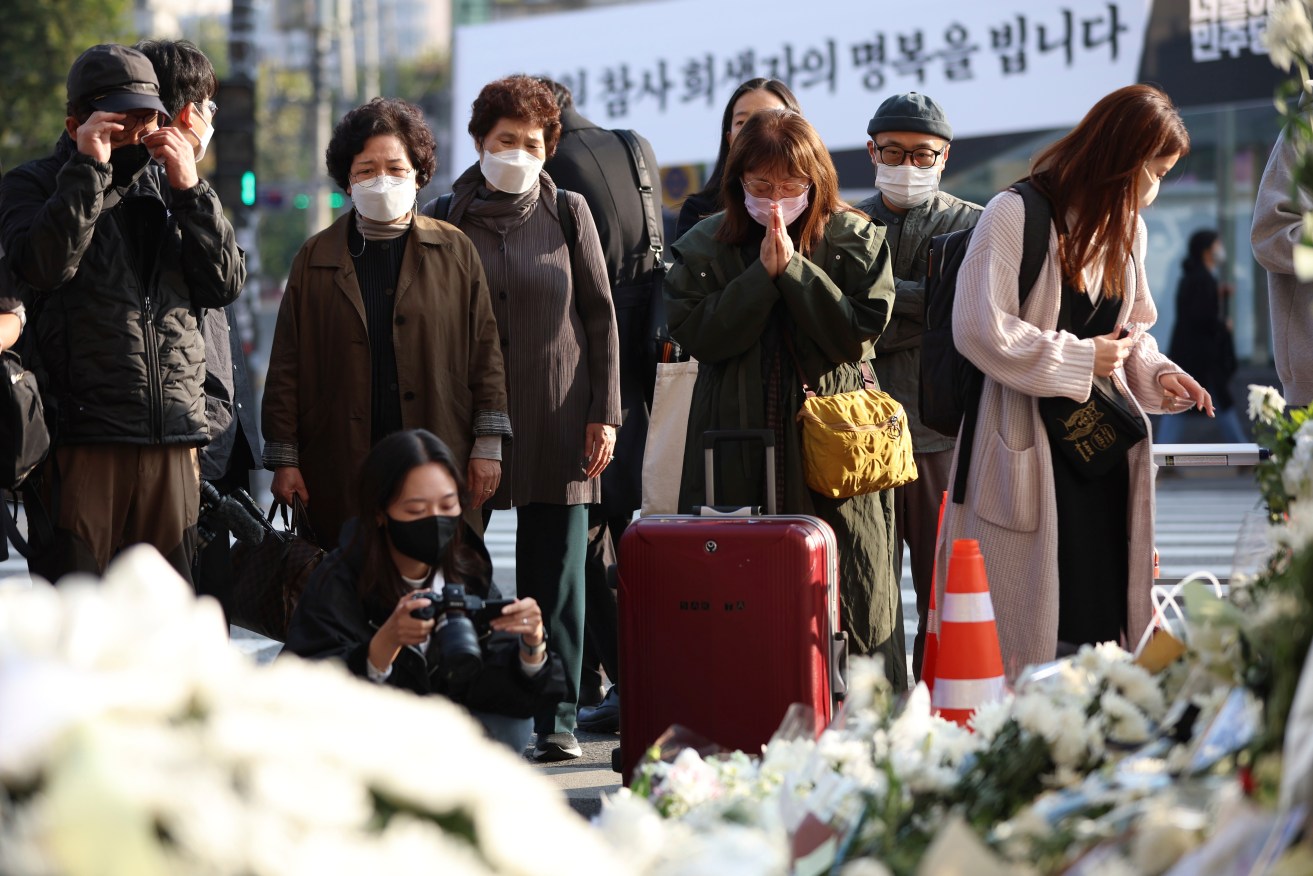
x,y
781,140
1092,177
382,475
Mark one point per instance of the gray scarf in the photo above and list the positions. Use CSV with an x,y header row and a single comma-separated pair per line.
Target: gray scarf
x,y
499,212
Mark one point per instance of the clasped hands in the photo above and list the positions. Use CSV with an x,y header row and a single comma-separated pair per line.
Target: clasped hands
x,y
777,247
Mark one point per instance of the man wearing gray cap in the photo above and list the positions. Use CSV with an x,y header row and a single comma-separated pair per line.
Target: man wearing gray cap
x,y
116,255
909,147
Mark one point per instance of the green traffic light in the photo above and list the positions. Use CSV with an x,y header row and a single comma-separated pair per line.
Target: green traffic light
x,y
248,188
335,200
301,201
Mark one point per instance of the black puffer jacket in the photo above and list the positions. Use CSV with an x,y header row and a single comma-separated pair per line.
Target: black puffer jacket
x,y
116,280
331,621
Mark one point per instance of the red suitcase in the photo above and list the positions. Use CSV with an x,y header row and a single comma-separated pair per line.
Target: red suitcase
x,y
726,621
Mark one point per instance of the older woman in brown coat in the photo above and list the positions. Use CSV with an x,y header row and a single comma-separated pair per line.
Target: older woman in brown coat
x,y
386,324
558,334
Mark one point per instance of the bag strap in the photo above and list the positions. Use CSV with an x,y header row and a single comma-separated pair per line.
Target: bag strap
x,y
1034,251
12,535
868,378
443,206
567,220
646,192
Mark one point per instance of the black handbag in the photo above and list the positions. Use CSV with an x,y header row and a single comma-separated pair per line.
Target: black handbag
x,y
1093,435
24,439
269,577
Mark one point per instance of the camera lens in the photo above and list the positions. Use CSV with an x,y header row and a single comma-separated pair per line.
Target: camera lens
x,y
459,646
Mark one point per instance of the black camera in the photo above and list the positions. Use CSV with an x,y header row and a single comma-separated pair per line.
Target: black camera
x,y
464,617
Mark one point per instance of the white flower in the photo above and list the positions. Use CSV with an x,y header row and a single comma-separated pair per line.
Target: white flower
x,y
990,718
865,867
1138,686
1289,33
688,783
1126,724
1265,403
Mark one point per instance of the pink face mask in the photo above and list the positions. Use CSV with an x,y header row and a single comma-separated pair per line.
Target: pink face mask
x,y
792,208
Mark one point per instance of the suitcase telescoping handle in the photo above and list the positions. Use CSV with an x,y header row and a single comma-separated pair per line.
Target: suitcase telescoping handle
x,y
767,439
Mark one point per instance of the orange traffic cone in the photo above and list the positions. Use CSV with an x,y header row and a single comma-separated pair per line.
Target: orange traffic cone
x,y
969,664
930,652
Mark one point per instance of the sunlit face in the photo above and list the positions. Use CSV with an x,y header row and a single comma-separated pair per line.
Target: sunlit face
x,y
920,150
1152,176
775,183
748,104
383,155
514,134
429,490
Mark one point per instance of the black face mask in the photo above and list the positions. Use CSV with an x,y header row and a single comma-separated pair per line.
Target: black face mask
x,y
425,539
128,163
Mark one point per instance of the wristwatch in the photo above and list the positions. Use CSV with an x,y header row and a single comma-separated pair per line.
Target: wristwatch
x,y
533,650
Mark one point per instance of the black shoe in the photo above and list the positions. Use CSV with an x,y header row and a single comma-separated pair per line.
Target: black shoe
x,y
604,717
557,746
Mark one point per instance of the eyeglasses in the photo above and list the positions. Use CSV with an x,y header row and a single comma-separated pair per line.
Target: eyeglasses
x,y
131,124
760,188
923,157
210,106
365,175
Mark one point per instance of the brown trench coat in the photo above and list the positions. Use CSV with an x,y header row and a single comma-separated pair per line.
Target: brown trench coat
x,y
316,410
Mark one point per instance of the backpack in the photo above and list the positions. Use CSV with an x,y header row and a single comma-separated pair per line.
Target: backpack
x,y
950,385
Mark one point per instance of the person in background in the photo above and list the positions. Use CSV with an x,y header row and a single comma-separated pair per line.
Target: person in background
x,y
1069,557
789,279
597,164
552,299
187,89
406,542
120,253
909,145
386,324
753,95
1278,226
1202,342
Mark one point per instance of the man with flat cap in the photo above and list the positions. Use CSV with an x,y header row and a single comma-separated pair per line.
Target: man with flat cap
x,y
116,255
909,143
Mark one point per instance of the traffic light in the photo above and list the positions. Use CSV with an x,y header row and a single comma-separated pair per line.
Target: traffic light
x,y
234,144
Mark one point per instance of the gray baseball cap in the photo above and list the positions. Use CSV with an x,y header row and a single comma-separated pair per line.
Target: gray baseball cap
x,y
911,112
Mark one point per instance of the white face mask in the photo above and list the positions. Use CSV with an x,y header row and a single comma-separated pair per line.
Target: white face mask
x,y
1219,255
905,185
384,198
511,170
205,140
1148,195
792,208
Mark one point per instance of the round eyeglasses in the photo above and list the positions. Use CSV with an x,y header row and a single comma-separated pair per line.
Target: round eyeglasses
x,y
760,188
895,155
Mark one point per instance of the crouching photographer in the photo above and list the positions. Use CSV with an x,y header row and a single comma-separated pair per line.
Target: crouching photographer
x,y
405,599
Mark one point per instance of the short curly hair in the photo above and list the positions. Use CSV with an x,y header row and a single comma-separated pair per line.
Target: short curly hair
x,y
382,116
517,97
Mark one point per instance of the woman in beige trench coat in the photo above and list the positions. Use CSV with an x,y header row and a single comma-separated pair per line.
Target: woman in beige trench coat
x,y
1068,561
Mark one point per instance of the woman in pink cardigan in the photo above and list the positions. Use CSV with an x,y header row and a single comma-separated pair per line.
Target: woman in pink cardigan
x,y
1068,552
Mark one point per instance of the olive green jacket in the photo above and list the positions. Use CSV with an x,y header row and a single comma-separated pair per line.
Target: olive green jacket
x,y
730,315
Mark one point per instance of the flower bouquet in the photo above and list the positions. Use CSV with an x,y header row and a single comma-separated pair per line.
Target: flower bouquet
x,y
135,740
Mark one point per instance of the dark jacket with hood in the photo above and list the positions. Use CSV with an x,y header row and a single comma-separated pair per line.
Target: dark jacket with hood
x,y
115,278
332,621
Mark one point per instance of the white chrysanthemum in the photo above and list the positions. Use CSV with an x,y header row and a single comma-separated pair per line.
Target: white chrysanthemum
x,y
633,828
1126,723
865,867
1035,713
990,718
1289,34
1138,686
1265,403
688,783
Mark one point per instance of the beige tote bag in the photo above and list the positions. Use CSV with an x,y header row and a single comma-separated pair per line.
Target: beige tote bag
x,y
663,456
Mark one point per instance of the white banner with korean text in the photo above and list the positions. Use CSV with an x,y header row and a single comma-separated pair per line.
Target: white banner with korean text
x,y
666,69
